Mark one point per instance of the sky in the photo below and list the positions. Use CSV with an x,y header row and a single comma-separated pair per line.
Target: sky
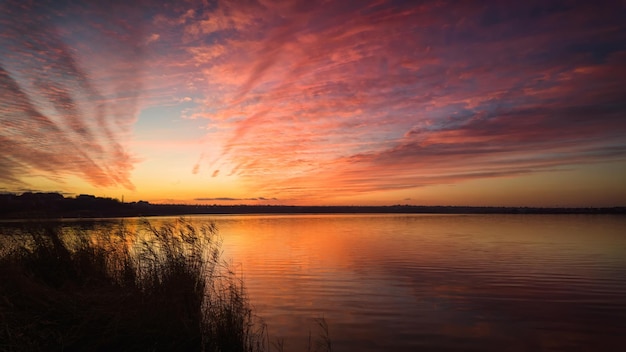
x,y
329,102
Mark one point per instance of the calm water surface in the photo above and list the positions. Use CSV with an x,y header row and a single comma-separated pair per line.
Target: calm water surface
x,y
435,282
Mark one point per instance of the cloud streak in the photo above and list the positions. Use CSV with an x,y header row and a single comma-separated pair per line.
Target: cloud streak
x,y
59,117
228,199
316,100
366,96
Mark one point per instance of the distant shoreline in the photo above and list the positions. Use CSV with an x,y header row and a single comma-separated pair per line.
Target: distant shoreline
x,y
55,206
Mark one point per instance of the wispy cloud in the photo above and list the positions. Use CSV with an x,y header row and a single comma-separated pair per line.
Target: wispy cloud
x,y
229,199
59,115
364,96
313,99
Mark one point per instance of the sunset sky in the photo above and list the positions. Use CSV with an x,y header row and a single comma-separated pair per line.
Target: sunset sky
x,y
316,102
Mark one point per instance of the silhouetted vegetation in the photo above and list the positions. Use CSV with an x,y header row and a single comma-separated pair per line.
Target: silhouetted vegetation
x,y
153,289
54,205
164,290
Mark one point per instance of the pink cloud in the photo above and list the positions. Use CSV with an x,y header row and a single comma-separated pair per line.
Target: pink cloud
x,y
412,95
359,96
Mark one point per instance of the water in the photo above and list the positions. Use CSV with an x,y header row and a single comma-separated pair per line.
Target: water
x,y
435,282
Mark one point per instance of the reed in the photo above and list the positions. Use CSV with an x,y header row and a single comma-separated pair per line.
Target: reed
x,y
163,289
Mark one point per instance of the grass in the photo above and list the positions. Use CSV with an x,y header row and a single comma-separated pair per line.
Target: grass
x,y
164,290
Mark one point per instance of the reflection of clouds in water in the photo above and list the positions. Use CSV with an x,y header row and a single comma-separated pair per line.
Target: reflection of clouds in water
x,y
528,291
458,282
429,282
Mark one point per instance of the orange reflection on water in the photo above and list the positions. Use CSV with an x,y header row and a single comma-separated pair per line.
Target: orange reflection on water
x,y
411,282
504,279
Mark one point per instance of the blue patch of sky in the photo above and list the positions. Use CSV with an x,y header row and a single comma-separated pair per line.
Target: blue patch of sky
x,y
157,123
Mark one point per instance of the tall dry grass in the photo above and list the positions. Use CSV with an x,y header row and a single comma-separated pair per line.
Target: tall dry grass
x,y
159,289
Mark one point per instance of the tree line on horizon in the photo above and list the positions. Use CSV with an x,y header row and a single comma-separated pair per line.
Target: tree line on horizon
x,y
29,205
